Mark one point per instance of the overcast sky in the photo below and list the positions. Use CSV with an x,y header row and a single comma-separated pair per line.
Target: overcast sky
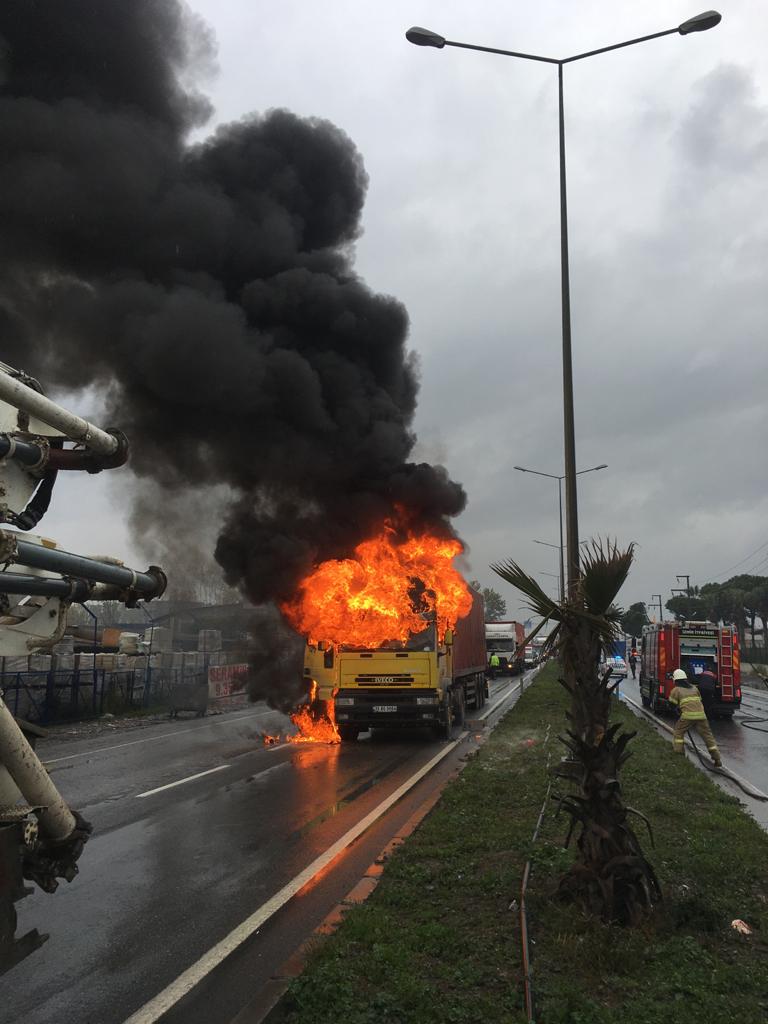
x,y
667,153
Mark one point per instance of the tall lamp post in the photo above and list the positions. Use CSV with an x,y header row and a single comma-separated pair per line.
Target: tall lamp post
x,y
553,476
554,575
557,547
424,37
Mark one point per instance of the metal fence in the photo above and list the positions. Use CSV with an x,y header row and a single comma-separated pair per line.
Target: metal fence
x,y
47,697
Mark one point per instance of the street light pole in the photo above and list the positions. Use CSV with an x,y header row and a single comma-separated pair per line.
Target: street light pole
x,y
560,521
425,37
554,476
569,432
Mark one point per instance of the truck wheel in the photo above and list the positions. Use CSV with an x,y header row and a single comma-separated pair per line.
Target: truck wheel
x,y
645,700
348,733
443,728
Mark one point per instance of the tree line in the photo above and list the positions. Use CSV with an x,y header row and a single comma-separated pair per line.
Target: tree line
x,y
741,600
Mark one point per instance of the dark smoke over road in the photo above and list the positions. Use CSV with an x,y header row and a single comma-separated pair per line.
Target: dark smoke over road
x,y
208,287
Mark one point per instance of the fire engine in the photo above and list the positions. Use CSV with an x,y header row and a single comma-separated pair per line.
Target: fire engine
x,y
695,647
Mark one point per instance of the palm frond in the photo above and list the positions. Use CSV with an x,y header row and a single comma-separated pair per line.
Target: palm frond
x,y
604,570
539,602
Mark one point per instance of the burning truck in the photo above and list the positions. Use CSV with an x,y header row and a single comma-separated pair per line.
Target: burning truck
x,y
271,392
395,638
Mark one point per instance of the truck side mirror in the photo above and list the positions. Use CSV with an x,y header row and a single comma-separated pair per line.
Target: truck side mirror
x,y
448,637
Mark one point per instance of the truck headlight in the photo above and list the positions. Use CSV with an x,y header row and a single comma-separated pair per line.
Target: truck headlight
x,y
426,700
345,702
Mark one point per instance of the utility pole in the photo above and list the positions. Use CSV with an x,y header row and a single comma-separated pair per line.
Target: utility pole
x,y
654,597
684,576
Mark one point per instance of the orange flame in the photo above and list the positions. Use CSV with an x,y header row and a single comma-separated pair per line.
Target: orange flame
x,y
379,595
315,725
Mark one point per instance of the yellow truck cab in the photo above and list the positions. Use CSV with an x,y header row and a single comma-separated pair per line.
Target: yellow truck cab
x,y
420,681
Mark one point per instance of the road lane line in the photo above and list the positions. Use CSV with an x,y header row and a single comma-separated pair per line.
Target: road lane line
x,y
189,778
502,699
163,1001
149,739
499,702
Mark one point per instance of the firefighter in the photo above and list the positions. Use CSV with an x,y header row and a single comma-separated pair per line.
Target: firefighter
x,y
707,684
692,714
494,664
633,661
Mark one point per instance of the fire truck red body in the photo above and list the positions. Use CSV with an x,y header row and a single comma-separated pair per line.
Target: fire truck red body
x,y
693,647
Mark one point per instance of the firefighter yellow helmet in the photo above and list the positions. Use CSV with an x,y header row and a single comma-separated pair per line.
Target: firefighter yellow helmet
x,y
679,676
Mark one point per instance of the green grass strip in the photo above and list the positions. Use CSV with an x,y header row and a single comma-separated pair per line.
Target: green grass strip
x,y
437,942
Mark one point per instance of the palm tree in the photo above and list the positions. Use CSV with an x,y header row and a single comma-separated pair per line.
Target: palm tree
x,y
611,875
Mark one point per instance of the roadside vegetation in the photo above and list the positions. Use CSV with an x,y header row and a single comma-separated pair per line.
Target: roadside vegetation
x,y
439,939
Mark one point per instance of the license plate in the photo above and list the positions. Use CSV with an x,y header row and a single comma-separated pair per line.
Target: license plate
x,y
385,707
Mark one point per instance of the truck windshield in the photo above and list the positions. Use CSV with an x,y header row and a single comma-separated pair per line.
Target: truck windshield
x,y
500,645
424,640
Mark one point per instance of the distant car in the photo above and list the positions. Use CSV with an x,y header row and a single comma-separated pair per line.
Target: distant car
x,y
617,665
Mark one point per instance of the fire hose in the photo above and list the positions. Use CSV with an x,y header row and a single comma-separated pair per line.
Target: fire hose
x,y
525,952
746,788
743,785
753,721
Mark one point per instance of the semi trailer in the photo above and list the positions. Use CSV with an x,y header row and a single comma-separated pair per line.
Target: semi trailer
x,y
505,640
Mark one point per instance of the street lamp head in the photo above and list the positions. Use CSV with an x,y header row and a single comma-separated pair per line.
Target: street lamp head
x,y
423,37
603,465
700,23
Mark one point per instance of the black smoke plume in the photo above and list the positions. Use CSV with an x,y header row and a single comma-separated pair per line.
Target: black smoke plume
x,y
207,288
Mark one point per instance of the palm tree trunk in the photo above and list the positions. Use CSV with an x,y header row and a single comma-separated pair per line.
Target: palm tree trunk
x,y
611,876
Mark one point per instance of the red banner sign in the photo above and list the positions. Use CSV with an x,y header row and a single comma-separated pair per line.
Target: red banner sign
x,y
226,680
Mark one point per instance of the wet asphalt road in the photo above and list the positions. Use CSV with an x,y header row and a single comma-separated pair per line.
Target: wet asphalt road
x,y
167,875
743,744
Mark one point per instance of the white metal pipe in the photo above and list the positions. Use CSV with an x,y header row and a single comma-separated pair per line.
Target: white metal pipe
x,y
74,427
23,765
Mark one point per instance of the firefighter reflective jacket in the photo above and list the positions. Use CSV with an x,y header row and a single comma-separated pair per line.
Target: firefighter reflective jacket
x,y
688,699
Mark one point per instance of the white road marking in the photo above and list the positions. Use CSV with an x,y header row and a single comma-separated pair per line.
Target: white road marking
x,y
171,995
501,699
189,778
160,736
